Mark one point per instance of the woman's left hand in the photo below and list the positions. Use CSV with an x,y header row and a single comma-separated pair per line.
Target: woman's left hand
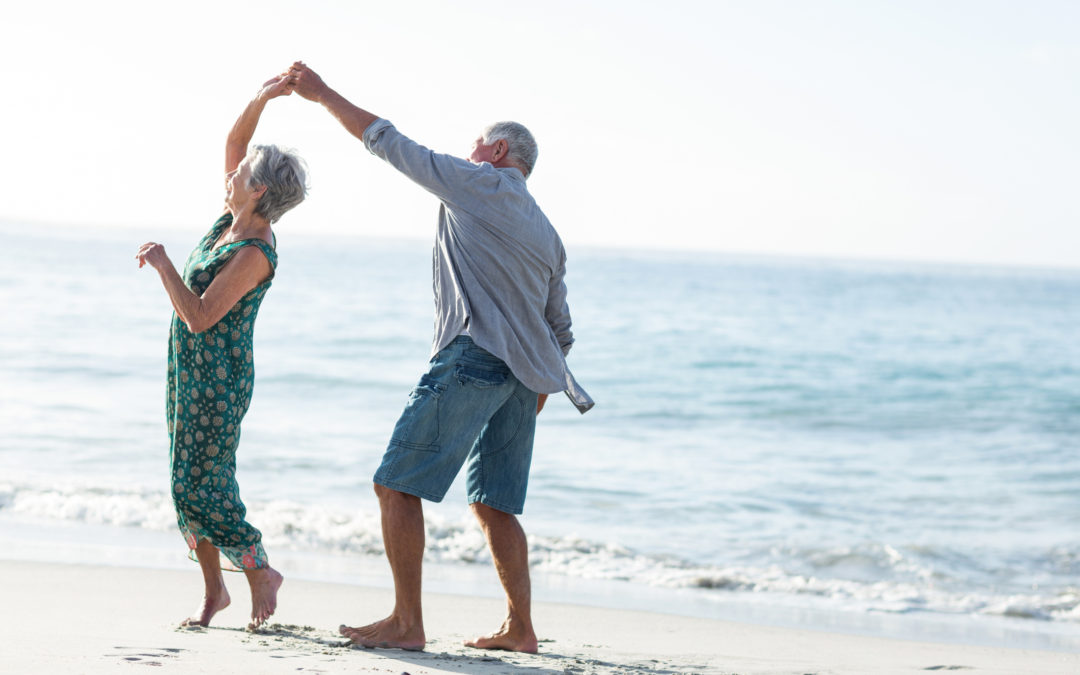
x,y
152,254
276,86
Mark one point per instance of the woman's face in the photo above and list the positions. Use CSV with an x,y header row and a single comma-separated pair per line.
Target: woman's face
x,y
237,193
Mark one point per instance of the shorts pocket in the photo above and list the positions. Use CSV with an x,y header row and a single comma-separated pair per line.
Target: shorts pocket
x,y
418,426
481,369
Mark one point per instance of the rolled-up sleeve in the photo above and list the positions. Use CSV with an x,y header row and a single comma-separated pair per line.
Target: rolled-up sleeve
x,y
440,174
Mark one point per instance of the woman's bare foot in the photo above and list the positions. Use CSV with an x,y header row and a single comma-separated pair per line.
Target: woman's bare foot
x,y
212,604
386,634
512,637
264,583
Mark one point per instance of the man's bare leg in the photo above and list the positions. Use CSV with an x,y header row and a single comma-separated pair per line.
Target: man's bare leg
x,y
264,583
510,550
215,597
403,537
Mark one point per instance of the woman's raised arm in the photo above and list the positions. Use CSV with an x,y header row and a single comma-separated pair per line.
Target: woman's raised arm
x,y
243,129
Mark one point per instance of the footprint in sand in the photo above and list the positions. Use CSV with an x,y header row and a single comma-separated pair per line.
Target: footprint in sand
x,y
146,657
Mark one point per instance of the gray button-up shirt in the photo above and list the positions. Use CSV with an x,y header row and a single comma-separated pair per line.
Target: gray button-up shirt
x,y
498,264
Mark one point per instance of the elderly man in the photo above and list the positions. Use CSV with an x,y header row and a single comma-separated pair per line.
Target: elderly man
x,y
502,332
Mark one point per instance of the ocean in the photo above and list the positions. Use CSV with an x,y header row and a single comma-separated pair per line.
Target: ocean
x,y
878,447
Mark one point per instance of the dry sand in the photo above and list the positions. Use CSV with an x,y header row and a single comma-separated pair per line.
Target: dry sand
x,y
92,619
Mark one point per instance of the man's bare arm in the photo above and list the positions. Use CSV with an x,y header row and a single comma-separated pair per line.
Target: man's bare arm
x,y
307,83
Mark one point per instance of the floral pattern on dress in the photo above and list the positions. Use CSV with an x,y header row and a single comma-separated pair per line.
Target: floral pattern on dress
x,y
210,380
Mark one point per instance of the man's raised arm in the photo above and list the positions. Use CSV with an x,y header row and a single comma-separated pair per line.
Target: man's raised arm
x,y
440,174
307,83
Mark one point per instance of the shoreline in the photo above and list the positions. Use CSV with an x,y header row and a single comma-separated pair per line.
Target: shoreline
x,y
92,618
35,541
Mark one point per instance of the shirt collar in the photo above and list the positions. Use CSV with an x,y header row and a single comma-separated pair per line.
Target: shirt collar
x,y
511,172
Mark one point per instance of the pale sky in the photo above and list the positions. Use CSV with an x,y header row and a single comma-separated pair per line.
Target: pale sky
x,y
908,130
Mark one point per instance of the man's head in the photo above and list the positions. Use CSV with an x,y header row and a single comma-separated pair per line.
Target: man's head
x,y
506,144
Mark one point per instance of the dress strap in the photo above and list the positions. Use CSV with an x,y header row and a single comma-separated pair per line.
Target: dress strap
x,y
269,251
229,250
219,226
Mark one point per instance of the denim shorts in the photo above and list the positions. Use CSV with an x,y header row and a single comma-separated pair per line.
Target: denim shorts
x,y
470,410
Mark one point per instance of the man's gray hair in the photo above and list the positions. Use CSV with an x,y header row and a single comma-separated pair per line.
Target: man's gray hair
x,y
284,175
522,145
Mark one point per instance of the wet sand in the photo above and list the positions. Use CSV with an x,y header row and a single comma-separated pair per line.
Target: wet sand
x,y
97,619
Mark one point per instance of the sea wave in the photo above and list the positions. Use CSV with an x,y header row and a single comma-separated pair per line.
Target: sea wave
x,y
315,528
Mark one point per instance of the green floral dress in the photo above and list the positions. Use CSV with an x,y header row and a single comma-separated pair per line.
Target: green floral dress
x,y
210,381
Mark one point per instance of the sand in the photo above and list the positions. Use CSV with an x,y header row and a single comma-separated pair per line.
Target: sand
x,y
95,619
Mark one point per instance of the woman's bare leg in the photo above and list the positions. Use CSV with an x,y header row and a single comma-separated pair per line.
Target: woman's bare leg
x,y
264,582
215,597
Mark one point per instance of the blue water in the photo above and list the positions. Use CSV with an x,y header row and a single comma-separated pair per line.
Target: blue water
x,y
852,436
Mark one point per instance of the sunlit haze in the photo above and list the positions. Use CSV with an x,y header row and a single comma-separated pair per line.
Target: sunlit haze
x,y
903,130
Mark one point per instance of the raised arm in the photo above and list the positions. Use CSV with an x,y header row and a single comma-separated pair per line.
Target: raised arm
x,y
243,129
445,176
307,83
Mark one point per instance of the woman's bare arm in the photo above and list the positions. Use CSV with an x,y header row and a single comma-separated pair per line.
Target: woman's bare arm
x,y
243,129
246,270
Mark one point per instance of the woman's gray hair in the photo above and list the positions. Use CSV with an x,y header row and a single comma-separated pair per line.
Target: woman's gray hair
x,y
284,175
522,145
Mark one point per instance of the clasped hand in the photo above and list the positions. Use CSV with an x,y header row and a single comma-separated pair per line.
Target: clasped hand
x,y
304,81
299,78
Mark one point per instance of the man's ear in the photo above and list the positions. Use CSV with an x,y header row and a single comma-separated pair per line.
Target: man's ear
x,y
501,148
258,192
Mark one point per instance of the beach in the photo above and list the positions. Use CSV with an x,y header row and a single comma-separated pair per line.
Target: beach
x,y
831,338
106,619
793,467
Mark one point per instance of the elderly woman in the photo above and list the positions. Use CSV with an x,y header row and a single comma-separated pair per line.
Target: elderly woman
x,y
210,371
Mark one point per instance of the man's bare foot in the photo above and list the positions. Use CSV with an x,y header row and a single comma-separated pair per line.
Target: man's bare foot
x,y
386,634
264,583
512,637
212,604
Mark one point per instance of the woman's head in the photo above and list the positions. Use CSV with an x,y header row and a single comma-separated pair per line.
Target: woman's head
x,y
283,174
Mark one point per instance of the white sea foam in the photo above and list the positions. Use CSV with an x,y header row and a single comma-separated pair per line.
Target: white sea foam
x,y
314,528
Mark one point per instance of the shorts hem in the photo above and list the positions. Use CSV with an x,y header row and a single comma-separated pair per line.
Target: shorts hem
x,y
408,489
514,511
